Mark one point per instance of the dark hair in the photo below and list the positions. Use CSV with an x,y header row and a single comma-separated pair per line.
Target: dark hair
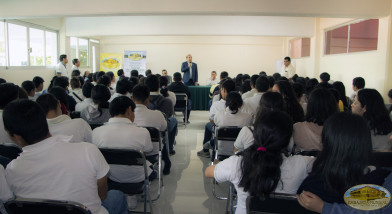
x,y
20,116
135,73
261,169
86,89
229,85
123,86
253,79
335,94
61,82
28,86
22,94
2,80
152,82
37,81
75,83
85,74
287,58
90,77
110,74
310,86
104,80
120,72
99,74
81,80
74,61
140,93
119,105
276,76
62,56
60,94
346,148
8,93
359,82
376,113
177,77
95,76
75,73
245,77
100,95
224,75
262,84
390,94
262,73
245,86
163,83
234,101
271,81
134,80
48,102
270,101
321,106
148,72
339,86
298,90
238,80
292,106
325,77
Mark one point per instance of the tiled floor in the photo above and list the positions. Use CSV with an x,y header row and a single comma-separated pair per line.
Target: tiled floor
x,y
186,190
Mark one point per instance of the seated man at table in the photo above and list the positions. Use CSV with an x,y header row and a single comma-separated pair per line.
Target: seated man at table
x,y
179,87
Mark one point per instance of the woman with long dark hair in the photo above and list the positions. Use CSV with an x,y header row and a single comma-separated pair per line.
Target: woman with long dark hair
x,y
369,104
163,81
262,168
98,112
291,104
343,162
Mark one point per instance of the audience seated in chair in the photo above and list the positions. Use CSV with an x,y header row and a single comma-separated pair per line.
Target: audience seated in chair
x,y
251,103
29,87
76,92
123,88
245,171
179,87
62,124
86,89
51,168
253,90
291,104
63,83
164,91
39,86
98,112
8,93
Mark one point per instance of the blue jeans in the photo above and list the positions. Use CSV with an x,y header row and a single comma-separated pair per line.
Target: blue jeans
x,y
172,126
207,134
115,202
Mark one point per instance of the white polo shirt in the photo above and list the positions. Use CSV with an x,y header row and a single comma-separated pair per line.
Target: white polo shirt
x,y
84,104
79,129
61,69
216,107
118,95
5,192
251,104
294,170
288,71
4,137
74,67
249,94
79,93
145,117
122,133
57,170
245,139
226,118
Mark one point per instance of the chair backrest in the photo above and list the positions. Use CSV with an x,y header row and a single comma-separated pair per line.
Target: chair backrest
x,y
277,203
381,158
181,100
93,126
23,206
154,134
227,133
10,151
75,114
308,153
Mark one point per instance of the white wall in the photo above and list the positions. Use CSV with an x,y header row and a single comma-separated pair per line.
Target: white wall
x,y
234,54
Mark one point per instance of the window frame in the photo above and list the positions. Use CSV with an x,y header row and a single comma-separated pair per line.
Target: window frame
x,y
348,24
310,47
77,49
28,26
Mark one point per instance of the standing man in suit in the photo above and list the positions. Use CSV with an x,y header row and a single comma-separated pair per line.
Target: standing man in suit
x,y
189,69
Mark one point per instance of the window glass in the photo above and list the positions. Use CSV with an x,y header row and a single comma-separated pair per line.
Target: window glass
x,y
17,36
73,48
336,40
305,47
51,48
83,52
364,36
2,45
37,51
300,48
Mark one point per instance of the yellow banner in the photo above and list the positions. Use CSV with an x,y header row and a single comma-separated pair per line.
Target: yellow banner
x,y
111,62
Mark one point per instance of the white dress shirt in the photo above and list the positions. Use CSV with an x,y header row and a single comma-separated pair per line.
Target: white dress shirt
x,y
62,69
249,94
251,104
82,105
78,129
5,192
118,95
74,68
57,170
4,137
122,133
79,93
288,71
216,107
244,139
212,82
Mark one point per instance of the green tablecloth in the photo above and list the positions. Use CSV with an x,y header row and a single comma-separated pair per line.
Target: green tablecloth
x,y
199,97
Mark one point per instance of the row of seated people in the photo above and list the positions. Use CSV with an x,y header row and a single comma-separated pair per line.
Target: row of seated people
x,y
276,106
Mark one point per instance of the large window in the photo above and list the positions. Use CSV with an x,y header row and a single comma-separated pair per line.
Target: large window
x,y
355,37
300,48
79,49
24,44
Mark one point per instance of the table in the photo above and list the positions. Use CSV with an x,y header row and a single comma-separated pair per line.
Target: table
x,y
199,97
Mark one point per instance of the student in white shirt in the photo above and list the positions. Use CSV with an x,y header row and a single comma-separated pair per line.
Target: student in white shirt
x,y
5,192
113,82
270,101
62,124
121,132
123,88
252,86
51,168
29,87
61,68
98,112
106,81
228,86
76,64
212,80
287,69
39,86
251,103
76,92
264,161
358,84
150,118
86,91
8,93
